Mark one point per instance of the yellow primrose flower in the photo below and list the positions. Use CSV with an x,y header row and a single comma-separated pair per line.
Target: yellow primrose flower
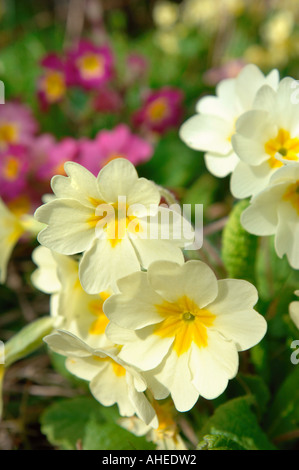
x,y
71,307
267,137
184,328
111,379
275,211
114,219
212,128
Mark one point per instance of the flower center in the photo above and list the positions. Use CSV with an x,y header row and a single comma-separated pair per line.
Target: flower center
x,y
115,221
158,110
91,65
186,322
8,134
284,145
11,168
54,86
292,195
99,325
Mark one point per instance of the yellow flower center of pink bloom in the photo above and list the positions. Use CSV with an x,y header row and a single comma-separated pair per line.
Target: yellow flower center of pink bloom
x,y
11,168
91,65
158,110
8,134
54,85
98,326
20,206
114,219
292,195
186,322
283,144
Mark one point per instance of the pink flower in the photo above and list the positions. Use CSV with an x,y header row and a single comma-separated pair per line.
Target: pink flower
x,y
107,145
137,66
89,66
108,100
52,84
229,70
57,153
14,165
161,111
17,125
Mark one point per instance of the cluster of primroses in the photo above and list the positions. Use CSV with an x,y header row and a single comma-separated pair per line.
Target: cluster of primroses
x,y
250,130
148,330
92,68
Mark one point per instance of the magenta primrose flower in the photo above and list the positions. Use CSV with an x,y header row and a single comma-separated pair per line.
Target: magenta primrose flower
x,y
17,125
14,164
161,110
52,84
108,145
57,153
89,66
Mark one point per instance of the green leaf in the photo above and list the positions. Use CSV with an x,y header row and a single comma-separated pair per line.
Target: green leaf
x,y
83,420
235,422
239,247
27,340
283,416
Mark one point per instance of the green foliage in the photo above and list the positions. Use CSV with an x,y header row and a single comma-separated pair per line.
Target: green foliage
x,y
234,426
239,247
27,340
83,422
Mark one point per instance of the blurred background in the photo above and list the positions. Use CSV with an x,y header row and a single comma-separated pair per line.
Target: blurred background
x,y
186,46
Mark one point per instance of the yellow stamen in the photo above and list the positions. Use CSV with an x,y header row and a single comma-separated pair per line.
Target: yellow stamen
x,y
186,322
292,195
11,168
8,134
284,145
98,327
158,110
54,86
91,65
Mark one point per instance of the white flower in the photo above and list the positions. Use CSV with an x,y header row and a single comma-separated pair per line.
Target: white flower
x,y
110,219
294,310
211,130
266,138
184,328
111,380
275,211
72,308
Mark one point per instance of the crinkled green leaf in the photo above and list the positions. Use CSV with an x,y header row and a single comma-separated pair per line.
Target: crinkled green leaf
x,y
236,421
83,421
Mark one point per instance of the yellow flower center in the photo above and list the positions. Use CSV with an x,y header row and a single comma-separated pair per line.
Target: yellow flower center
x,y
54,86
186,322
118,370
11,168
19,206
99,325
158,110
284,145
292,195
114,219
91,65
8,134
